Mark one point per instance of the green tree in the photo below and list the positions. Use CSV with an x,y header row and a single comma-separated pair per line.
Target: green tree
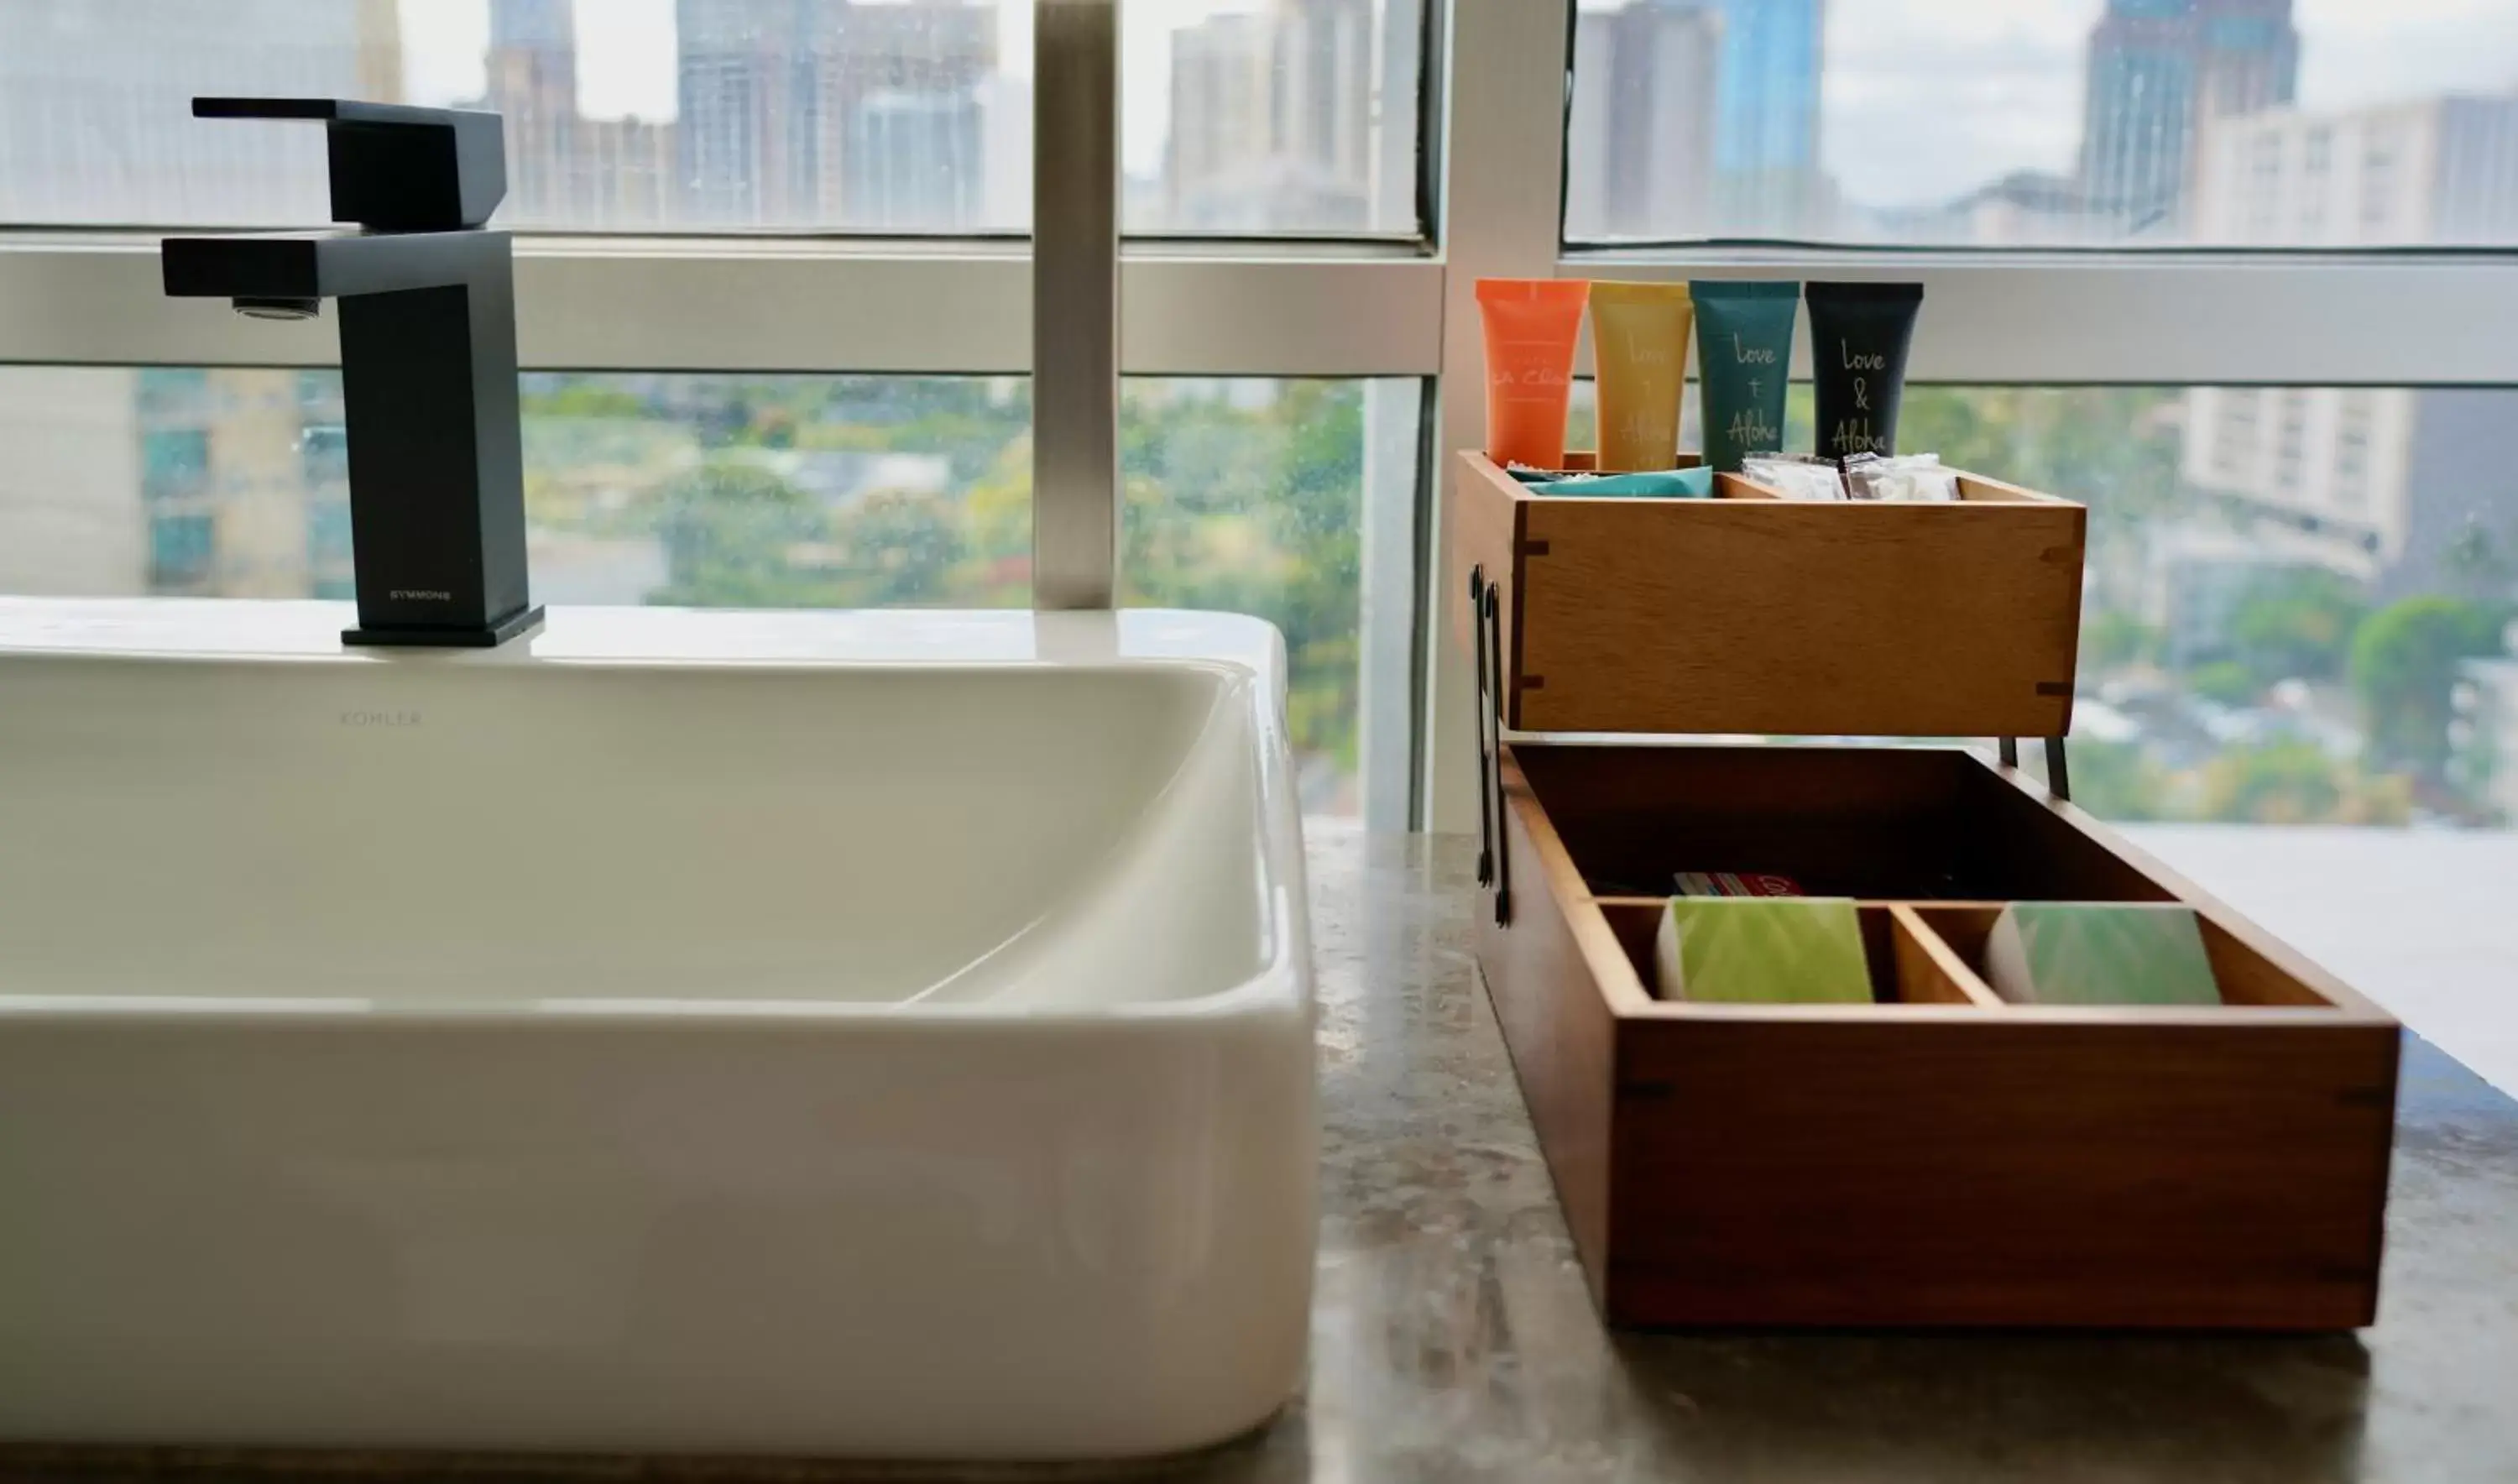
x,y
2295,623
2111,638
2223,680
731,529
2116,780
2288,782
893,548
2404,669
2110,447
1258,510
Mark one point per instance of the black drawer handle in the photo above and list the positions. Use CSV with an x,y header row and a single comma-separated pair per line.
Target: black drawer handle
x,y
1495,857
1486,759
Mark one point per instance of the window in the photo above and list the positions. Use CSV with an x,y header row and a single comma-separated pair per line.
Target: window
x,y
183,551
1257,496
2225,427
2378,184
2246,657
682,269
2290,441
1280,498
675,116
683,172
174,463
2141,122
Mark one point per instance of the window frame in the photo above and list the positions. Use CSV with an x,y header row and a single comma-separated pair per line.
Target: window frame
x,y
1494,104
2393,317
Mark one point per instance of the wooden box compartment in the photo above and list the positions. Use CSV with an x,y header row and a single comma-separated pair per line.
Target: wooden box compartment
x,y
1748,613
1939,1158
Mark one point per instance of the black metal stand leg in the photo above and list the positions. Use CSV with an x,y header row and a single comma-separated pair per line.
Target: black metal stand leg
x,y
2010,749
2058,773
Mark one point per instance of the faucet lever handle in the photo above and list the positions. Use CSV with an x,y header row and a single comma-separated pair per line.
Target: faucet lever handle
x,y
396,167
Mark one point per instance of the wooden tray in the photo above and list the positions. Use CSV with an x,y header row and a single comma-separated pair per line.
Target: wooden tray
x,y
1751,614
1939,1158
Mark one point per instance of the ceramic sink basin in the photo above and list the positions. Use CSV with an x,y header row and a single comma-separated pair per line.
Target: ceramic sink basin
x,y
807,1034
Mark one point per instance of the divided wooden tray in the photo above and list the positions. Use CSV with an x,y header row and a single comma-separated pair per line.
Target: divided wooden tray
x,y
1939,1156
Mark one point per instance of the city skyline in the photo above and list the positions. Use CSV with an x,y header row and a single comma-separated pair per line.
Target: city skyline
x,y
2161,74
1921,103
627,62
877,115
1918,104
2007,80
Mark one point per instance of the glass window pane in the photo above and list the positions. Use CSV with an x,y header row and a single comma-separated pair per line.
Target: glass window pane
x,y
2299,600
2071,122
1264,497
835,115
708,490
1272,115
1251,496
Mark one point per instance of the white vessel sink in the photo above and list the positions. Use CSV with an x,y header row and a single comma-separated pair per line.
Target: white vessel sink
x,y
874,1034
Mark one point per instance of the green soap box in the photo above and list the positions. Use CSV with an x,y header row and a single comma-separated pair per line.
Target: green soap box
x,y
1762,950
2100,953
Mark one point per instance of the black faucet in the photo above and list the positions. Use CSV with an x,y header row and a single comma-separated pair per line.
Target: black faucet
x,y
428,357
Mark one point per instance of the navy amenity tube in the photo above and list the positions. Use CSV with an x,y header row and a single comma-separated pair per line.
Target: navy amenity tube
x,y
1744,351
1858,338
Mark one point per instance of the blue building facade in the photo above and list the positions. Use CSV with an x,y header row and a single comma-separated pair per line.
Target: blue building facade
x,y
2159,71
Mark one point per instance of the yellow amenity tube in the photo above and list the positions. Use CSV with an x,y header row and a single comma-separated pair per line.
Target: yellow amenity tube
x,y
1640,338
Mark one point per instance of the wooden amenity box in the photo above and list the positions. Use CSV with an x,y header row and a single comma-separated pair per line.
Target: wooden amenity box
x,y
1938,1156
1750,613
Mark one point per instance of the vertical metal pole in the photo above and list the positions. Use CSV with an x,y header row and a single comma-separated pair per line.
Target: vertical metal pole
x,y
1075,304
1504,166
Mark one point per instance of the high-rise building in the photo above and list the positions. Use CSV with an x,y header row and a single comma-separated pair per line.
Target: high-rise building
x,y
1223,95
563,168
914,161
1639,145
1766,131
530,72
1005,151
748,123
902,83
777,95
1327,81
2328,462
171,480
2159,72
70,522
1274,119
226,482
1697,119
2385,476
2435,171
96,126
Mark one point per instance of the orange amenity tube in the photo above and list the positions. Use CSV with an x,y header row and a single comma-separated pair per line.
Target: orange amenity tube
x,y
1531,326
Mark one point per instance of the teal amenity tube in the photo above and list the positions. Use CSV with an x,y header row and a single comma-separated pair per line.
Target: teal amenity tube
x,y
1744,351
1858,338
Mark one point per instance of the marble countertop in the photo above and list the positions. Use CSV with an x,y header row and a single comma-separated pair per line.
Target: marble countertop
x,y
1452,1339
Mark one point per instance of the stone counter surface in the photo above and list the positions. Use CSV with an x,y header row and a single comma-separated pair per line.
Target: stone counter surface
x,y
1452,1339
